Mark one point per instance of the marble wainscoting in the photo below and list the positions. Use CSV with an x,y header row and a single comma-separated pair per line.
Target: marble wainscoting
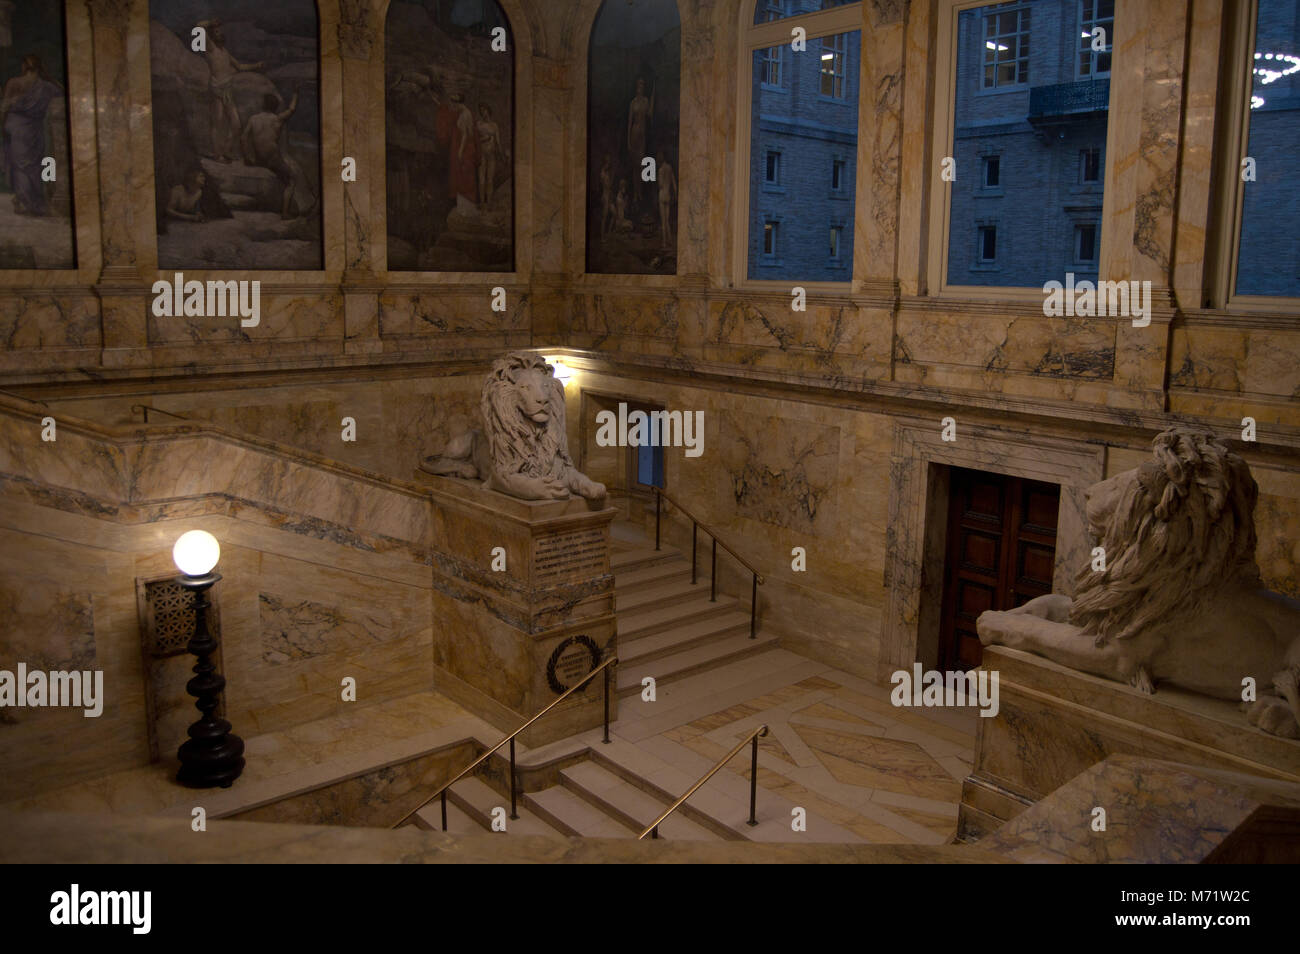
x,y
1054,723
509,639
325,577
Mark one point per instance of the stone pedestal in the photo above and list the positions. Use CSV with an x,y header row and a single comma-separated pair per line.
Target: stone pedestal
x,y
523,606
1054,723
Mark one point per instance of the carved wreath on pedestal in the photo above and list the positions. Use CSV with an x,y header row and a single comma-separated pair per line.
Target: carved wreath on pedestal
x,y
587,643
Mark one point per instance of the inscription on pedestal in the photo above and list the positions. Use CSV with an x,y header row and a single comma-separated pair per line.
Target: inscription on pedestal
x,y
576,554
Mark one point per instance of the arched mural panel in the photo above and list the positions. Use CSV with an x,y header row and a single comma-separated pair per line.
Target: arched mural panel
x,y
236,119
449,111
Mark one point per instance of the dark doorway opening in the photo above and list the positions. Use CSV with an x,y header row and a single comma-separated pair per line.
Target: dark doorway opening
x,y
1001,550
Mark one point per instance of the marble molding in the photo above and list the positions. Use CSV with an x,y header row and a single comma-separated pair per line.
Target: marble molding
x,y
1054,723
918,517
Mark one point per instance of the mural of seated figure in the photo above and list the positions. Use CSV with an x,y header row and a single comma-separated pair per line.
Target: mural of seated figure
x,y
1180,600
523,448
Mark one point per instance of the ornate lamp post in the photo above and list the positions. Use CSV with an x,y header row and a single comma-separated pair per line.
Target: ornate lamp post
x,y
212,757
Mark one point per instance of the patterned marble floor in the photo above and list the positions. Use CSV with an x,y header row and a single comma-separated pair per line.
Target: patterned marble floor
x,y
836,747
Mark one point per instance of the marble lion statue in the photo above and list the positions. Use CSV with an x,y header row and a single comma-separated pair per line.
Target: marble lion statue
x,y
523,449
1180,599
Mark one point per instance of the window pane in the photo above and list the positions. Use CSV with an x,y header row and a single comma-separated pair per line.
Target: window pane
x,y
810,122
765,11
1268,261
1041,126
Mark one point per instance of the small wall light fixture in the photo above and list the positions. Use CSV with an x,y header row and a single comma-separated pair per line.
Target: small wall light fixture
x,y
561,370
213,756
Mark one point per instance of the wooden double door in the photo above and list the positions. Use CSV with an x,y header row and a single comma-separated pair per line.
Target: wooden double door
x,y
1001,550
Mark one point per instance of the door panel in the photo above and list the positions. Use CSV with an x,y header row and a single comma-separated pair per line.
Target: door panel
x,y
1001,554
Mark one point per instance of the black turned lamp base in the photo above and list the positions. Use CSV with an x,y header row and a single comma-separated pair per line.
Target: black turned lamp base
x,y
212,758
205,765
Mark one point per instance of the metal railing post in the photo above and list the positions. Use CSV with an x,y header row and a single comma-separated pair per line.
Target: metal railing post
x,y
656,518
513,813
607,705
654,832
694,555
753,609
444,809
753,781
713,574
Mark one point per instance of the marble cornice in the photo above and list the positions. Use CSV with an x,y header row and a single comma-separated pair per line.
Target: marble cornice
x,y
1288,321
1115,425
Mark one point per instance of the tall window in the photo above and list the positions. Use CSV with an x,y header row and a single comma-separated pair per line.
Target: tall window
x,y
1095,15
772,66
801,128
1029,149
1268,252
1006,45
835,50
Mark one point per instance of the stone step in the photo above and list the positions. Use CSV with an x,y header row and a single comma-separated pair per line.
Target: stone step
x,y
693,660
663,593
477,799
688,608
566,812
658,645
628,581
629,804
458,823
638,558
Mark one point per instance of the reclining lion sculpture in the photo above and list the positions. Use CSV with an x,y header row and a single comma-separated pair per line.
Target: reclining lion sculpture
x,y
1180,599
523,449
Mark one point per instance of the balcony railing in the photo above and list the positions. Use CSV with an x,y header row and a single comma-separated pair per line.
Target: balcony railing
x,y
1068,99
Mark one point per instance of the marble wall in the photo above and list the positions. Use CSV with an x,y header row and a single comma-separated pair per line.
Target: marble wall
x,y
325,575
804,409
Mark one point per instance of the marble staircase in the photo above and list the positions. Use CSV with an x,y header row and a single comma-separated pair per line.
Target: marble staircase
x,y
668,628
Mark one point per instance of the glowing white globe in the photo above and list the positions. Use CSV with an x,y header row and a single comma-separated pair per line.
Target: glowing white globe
x,y
196,553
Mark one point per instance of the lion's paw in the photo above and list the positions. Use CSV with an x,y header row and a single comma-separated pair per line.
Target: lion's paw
x,y
1141,681
1272,715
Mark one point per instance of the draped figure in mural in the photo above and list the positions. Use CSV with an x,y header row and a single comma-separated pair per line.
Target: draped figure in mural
x,y
23,107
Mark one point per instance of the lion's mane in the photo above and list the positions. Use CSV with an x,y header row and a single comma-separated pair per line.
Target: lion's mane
x,y
518,444
1183,528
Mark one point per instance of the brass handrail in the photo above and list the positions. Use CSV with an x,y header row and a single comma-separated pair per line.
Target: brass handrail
x,y
603,667
757,577
753,737
709,530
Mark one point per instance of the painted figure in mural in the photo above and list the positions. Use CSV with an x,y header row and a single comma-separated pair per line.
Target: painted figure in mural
x,y
23,106
639,113
186,199
489,152
606,194
622,221
222,68
261,145
667,192
457,134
